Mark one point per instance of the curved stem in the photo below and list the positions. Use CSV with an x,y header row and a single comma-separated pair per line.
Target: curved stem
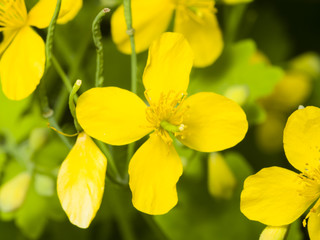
x,y
96,32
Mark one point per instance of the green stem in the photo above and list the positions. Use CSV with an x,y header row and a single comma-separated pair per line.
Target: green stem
x,y
111,163
72,105
97,37
130,32
232,19
154,226
64,139
120,213
62,74
51,29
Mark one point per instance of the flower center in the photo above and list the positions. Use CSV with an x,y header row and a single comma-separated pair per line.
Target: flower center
x,y
311,187
166,115
311,182
13,14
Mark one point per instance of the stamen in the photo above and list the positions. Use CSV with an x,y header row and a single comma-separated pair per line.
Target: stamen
x,y
62,133
167,114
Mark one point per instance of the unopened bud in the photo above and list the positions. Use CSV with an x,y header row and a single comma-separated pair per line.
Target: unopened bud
x,y
13,192
221,180
274,233
238,93
44,185
38,137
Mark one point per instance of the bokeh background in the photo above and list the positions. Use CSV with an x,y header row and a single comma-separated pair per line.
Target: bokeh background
x,y
270,65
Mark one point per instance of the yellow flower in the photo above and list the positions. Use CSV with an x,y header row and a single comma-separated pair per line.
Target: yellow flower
x,y
81,181
205,122
195,19
22,49
276,196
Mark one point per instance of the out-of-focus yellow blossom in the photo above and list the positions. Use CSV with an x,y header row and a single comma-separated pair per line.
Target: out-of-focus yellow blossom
x,y
233,2
195,19
269,133
238,93
221,179
290,92
81,181
274,233
13,192
276,196
205,122
22,49
308,63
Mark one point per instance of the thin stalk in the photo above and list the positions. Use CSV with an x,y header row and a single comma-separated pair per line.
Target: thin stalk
x,y
111,163
154,226
232,19
47,112
97,38
51,30
72,105
130,32
62,74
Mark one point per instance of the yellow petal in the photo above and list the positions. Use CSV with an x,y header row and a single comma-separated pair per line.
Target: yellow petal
x,y
314,226
13,192
40,15
112,115
212,123
81,181
149,19
301,138
201,29
8,36
168,67
22,64
274,196
154,171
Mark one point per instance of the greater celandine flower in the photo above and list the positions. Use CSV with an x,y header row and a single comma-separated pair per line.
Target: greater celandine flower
x,y
205,122
195,19
81,181
22,49
276,196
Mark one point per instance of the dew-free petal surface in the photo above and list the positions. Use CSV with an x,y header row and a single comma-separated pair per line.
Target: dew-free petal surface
x,y
301,138
274,196
203,33
168,67
212,122
112,115
81,181
40,15
149,19
22,64
154,171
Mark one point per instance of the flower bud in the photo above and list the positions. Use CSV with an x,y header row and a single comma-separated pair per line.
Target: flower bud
x,y
221,180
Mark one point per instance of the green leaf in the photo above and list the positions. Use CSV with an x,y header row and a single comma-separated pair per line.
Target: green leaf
x,y
236,69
